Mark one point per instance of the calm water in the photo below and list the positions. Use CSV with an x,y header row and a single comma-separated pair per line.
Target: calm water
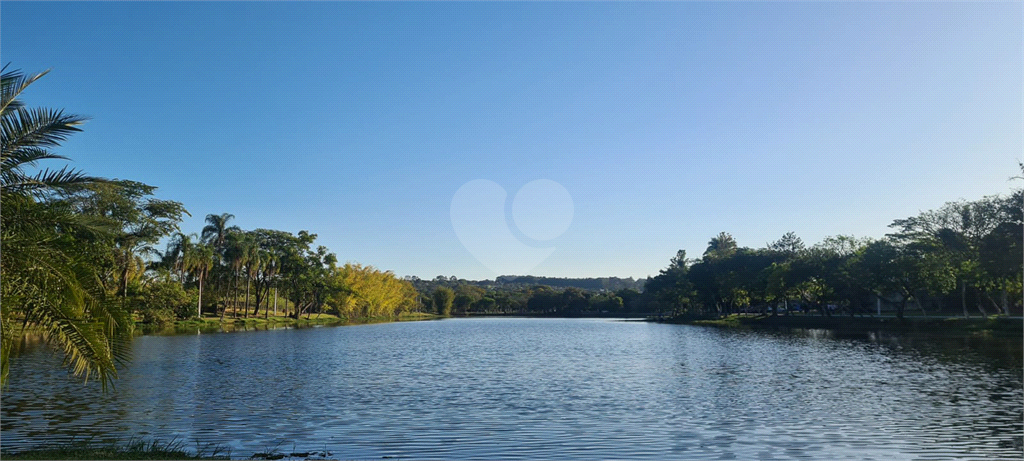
x,y
507,388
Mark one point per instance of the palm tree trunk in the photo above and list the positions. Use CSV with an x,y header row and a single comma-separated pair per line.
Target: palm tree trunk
x,y
199,304
225,311
245,308
234,300
124,283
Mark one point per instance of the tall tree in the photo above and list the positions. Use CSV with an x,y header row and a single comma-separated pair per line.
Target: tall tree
x,y
216,230
954,232
236,255
199,260
141,220
721,246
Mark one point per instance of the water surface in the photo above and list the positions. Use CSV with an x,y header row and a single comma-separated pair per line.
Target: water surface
x,y
514,388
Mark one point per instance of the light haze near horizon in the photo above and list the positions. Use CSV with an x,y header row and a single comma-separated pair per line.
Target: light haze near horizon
x,y
667,123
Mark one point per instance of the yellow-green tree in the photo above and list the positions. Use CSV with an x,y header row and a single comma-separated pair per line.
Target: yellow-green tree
x,y
368,293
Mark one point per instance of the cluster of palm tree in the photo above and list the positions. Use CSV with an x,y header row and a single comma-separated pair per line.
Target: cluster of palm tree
x,y
225,255
246,271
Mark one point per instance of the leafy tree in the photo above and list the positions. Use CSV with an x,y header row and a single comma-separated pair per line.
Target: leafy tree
x,y
370,293
789,245
1000,264
161,300
141,222
443,298
574,301
465,296
722,246
672,288
307,272
953,235
485,305
903,271
835,259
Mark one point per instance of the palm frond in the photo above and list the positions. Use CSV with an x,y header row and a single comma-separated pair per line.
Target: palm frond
x,y
47,182
27,157
13,84
66,300
36,127
47,280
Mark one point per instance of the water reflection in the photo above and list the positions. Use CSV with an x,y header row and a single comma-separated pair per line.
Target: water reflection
x,y
538,388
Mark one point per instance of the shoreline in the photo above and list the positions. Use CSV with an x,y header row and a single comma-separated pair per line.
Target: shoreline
x,y
215,324
990,327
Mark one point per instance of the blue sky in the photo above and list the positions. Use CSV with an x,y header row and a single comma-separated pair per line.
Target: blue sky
x,y
665,122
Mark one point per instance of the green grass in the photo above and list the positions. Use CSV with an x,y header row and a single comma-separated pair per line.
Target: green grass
x,y
132,449
731,321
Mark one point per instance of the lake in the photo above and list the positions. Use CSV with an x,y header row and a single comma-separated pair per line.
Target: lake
x,y
523,388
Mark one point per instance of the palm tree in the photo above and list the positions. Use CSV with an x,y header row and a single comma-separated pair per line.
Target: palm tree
x,y
180,245
235,255
217,230
216,233
254,263
199,260
27,136
46,280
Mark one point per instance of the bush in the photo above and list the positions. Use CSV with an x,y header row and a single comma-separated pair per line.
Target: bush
x,y
162,302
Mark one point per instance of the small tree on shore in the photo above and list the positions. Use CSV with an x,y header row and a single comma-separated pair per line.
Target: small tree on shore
x,y
443,298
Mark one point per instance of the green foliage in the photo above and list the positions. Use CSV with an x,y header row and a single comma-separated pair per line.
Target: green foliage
x,y
50,278
162,302
443,298
365,292
140,221
973,245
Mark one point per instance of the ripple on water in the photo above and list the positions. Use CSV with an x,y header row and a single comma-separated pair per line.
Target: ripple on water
x,y
534,389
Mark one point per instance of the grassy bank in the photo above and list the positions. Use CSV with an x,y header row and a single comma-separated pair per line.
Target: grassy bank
x,y
995,327
212,324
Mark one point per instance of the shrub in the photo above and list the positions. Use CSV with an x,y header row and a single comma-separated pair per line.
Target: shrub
x,y
163,301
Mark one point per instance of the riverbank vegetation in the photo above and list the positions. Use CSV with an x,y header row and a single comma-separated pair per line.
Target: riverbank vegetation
x,y
993,326
461,297
82,262
964,257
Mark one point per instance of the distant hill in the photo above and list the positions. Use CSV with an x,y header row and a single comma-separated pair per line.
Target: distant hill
x,y
514,282
592,284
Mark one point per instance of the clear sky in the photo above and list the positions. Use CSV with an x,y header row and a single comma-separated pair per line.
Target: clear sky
x,y
666,123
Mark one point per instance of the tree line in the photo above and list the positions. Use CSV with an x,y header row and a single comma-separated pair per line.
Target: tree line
x,y
451,296
965,256
81,261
